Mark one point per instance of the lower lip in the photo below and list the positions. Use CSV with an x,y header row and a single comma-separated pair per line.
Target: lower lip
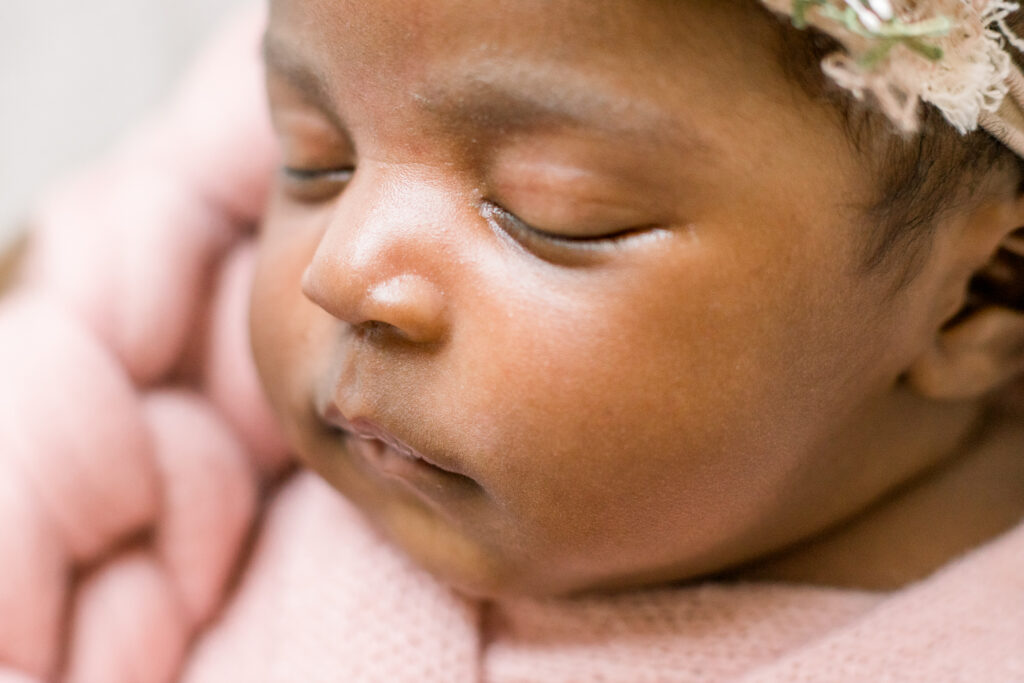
x,y
416,473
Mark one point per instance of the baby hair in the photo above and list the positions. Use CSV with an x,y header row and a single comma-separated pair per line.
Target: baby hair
x,y
922,175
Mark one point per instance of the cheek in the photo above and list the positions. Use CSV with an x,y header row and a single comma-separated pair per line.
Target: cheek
x,y
636,413
282,322
670,396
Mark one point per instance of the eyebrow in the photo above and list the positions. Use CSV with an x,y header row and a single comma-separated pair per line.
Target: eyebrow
x,y
300,74
495,97
527,99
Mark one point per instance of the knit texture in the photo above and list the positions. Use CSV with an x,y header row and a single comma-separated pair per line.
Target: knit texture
x,y
325,598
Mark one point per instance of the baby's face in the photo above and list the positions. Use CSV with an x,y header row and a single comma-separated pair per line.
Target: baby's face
x,y
597,261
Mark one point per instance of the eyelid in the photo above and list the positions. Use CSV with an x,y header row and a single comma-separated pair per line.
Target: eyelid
x,y
315,185
309,174
496,213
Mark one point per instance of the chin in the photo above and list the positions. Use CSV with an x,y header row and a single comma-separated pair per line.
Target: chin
x,y
496,588
485,577
470,570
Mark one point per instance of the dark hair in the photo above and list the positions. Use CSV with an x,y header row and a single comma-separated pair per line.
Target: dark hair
x,y
921,176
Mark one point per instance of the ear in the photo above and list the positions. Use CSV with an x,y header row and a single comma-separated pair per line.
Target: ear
x,y
982,347
980,353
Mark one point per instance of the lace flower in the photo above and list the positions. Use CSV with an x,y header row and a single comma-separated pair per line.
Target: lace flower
x,y
949,53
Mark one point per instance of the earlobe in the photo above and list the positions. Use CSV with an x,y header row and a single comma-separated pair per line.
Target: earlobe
x,y
979,353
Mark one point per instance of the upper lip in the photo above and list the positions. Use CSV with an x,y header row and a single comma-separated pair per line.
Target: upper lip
x,y
366,428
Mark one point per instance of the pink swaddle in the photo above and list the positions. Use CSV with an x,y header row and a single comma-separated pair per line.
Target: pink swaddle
x,y
133,435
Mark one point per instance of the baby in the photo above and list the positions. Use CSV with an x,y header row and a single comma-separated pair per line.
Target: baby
x,y
589,296
643,340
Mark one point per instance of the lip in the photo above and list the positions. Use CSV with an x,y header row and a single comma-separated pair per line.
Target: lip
x,y
385,450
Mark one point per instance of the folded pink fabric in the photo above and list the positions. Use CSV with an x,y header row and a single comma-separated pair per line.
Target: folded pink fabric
x,y
134,440
139,463
325,599
148,493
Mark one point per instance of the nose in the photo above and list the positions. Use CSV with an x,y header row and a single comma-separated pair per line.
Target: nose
x,y
377,266
406,305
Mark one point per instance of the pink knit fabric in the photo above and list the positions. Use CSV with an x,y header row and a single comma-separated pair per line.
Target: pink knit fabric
x,y
134,439
150,531
325,599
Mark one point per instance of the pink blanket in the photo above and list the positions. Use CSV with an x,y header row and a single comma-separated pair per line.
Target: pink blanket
x,y
154,529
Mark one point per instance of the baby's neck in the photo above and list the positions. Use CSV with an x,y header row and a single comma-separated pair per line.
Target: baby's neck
x,y
969,498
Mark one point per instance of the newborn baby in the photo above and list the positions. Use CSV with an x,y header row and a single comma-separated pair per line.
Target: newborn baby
x,y
591,296
614,341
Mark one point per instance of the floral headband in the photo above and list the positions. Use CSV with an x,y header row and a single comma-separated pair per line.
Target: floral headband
x,y
953,54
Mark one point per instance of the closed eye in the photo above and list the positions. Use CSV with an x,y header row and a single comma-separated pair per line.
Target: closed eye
x,y
510,223
305,174
315,184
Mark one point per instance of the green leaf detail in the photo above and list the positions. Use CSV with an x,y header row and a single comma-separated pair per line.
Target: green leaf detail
x,y
886,35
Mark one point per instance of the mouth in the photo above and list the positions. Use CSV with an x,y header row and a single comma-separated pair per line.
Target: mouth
x,y
386,452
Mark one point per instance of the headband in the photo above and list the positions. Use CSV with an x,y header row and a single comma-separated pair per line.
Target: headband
x,y
953,54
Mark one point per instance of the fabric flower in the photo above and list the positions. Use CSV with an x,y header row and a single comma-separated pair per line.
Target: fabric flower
x,y
949,53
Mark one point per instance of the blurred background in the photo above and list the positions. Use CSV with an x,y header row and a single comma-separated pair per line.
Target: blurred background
x,y
75,74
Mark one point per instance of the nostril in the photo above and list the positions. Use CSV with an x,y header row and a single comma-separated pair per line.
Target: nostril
x,y
376,327
406,306
409,304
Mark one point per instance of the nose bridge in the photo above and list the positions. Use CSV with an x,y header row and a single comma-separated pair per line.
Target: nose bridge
x,y
379,260
397,217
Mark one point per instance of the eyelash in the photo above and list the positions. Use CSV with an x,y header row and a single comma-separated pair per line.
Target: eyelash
x,y
507,222
494,213
315,185
311,174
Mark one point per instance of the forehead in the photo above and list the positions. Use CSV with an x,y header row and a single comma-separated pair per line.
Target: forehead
x,y
690,92
388,33
604,61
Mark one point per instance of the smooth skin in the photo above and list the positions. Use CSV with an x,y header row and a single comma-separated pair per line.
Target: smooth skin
x,y
602,259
